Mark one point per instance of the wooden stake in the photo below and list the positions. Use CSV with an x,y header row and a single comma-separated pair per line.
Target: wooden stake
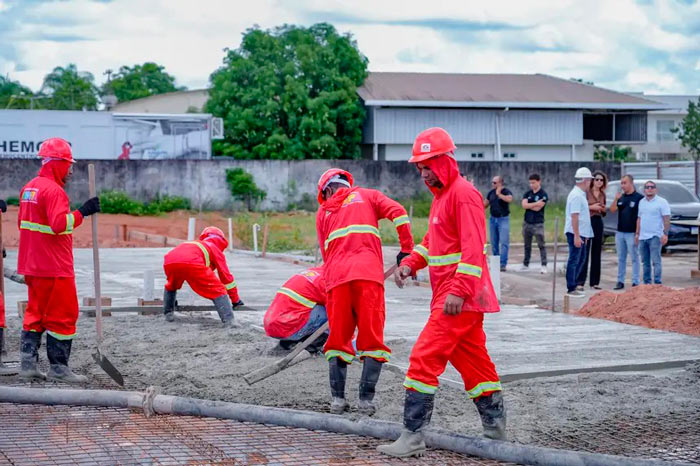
x,y
554,269
266,233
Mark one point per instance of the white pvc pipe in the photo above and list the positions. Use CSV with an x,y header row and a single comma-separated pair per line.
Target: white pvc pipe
x,y
256,229
148,285
230,234
495,270
190,229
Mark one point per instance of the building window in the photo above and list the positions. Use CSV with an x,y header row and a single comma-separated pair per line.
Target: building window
x,y
663,130
477,155
509,155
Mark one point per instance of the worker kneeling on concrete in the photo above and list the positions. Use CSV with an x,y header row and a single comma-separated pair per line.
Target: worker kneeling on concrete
x,y
45,259
194,262
348,234
298,310
454,249
4,370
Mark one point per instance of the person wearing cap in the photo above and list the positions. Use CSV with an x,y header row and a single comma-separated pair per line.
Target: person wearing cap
x,y
454,249
578,229
651,235
348,235
46,226
194,262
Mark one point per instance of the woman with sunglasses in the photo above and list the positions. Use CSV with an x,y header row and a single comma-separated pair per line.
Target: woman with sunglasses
x,y
596,206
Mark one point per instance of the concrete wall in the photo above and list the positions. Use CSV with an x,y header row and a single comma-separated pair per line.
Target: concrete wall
x,y
203,181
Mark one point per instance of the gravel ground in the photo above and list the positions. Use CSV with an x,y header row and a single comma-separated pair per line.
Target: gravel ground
x,y
196,357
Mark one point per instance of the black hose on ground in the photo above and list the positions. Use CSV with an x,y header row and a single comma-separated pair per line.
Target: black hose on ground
x,y
435,438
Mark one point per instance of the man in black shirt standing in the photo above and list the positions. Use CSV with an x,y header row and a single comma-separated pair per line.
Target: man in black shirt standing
x,y
499,222
626,204
534,202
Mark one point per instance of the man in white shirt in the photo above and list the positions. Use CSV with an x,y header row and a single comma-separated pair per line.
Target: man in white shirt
x,y
653,224
578,229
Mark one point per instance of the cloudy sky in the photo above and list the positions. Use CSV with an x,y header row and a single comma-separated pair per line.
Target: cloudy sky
x,y
643,45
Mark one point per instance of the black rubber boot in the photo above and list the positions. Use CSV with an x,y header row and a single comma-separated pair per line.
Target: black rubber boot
x,y
58,352
3,369
337,372
371,369
29,355
317,346
493,415
169,305
417,410
224,309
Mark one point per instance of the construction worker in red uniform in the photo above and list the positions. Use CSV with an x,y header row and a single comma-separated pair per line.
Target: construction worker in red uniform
x,y
45,259
194,262
4,370
454,249
298,310
348,234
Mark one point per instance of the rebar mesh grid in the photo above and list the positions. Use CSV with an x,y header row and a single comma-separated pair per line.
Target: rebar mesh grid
x,y
56,435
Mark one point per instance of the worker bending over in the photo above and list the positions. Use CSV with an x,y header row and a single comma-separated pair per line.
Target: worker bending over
x,y
194,262
45,259
298,310
348,234
454,249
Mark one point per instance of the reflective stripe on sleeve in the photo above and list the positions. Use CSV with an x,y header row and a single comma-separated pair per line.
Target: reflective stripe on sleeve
x,y
230,286
401,220
352,229
70,224
296,297
422,250
469,269
204,250
484,387
447,259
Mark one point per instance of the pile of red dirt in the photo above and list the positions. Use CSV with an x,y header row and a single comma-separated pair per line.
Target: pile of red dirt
x,y
652,306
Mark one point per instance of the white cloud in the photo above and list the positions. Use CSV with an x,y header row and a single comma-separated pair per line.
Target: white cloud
x,y
623,44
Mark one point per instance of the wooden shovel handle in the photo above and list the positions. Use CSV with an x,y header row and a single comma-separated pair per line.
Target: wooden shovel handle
x,y
96,257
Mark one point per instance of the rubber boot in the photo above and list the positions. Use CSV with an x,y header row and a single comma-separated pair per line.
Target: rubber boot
x,y
371,369
30,343
493,415
224,309
169,305
317,346
58,352
4,370
337,372
417,410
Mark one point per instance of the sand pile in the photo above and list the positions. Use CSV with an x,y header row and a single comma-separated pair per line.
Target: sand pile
x,y
652,306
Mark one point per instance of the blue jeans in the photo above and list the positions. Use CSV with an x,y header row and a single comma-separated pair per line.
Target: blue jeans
x,y
624,242
500,237
574,263
317,318
650,249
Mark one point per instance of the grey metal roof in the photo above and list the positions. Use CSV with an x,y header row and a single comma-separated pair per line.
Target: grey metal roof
x,y
493,91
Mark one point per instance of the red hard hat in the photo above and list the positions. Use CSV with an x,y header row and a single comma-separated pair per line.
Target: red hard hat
x,y
214,233
327,175
56,148
430,143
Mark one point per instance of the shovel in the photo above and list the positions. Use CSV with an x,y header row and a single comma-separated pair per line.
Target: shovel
x,y
99,357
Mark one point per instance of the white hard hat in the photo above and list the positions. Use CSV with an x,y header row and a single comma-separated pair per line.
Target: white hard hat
x,y
582,173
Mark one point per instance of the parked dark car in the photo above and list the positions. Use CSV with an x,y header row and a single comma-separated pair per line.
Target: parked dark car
x,y
684,206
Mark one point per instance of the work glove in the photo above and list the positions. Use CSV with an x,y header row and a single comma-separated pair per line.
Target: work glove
x,y
4,253
91,206
400,256
3,206
238,303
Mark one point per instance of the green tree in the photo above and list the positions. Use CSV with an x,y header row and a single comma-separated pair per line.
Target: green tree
x,y
290,93
13,94
139,81
613,154
688,130
243,187
70,89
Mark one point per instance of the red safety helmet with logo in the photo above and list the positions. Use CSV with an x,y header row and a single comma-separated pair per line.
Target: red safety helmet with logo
x,y
430,143
56,149
214,235
326,177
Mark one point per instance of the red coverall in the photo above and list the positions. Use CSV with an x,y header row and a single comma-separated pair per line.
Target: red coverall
x,y
2,310
347,227
455,250
290,309
46,253
195,262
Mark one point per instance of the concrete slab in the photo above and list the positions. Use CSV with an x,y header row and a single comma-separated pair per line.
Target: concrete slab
x,y
520,339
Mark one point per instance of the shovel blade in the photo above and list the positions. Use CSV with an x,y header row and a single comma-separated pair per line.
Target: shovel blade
x,y
108,367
